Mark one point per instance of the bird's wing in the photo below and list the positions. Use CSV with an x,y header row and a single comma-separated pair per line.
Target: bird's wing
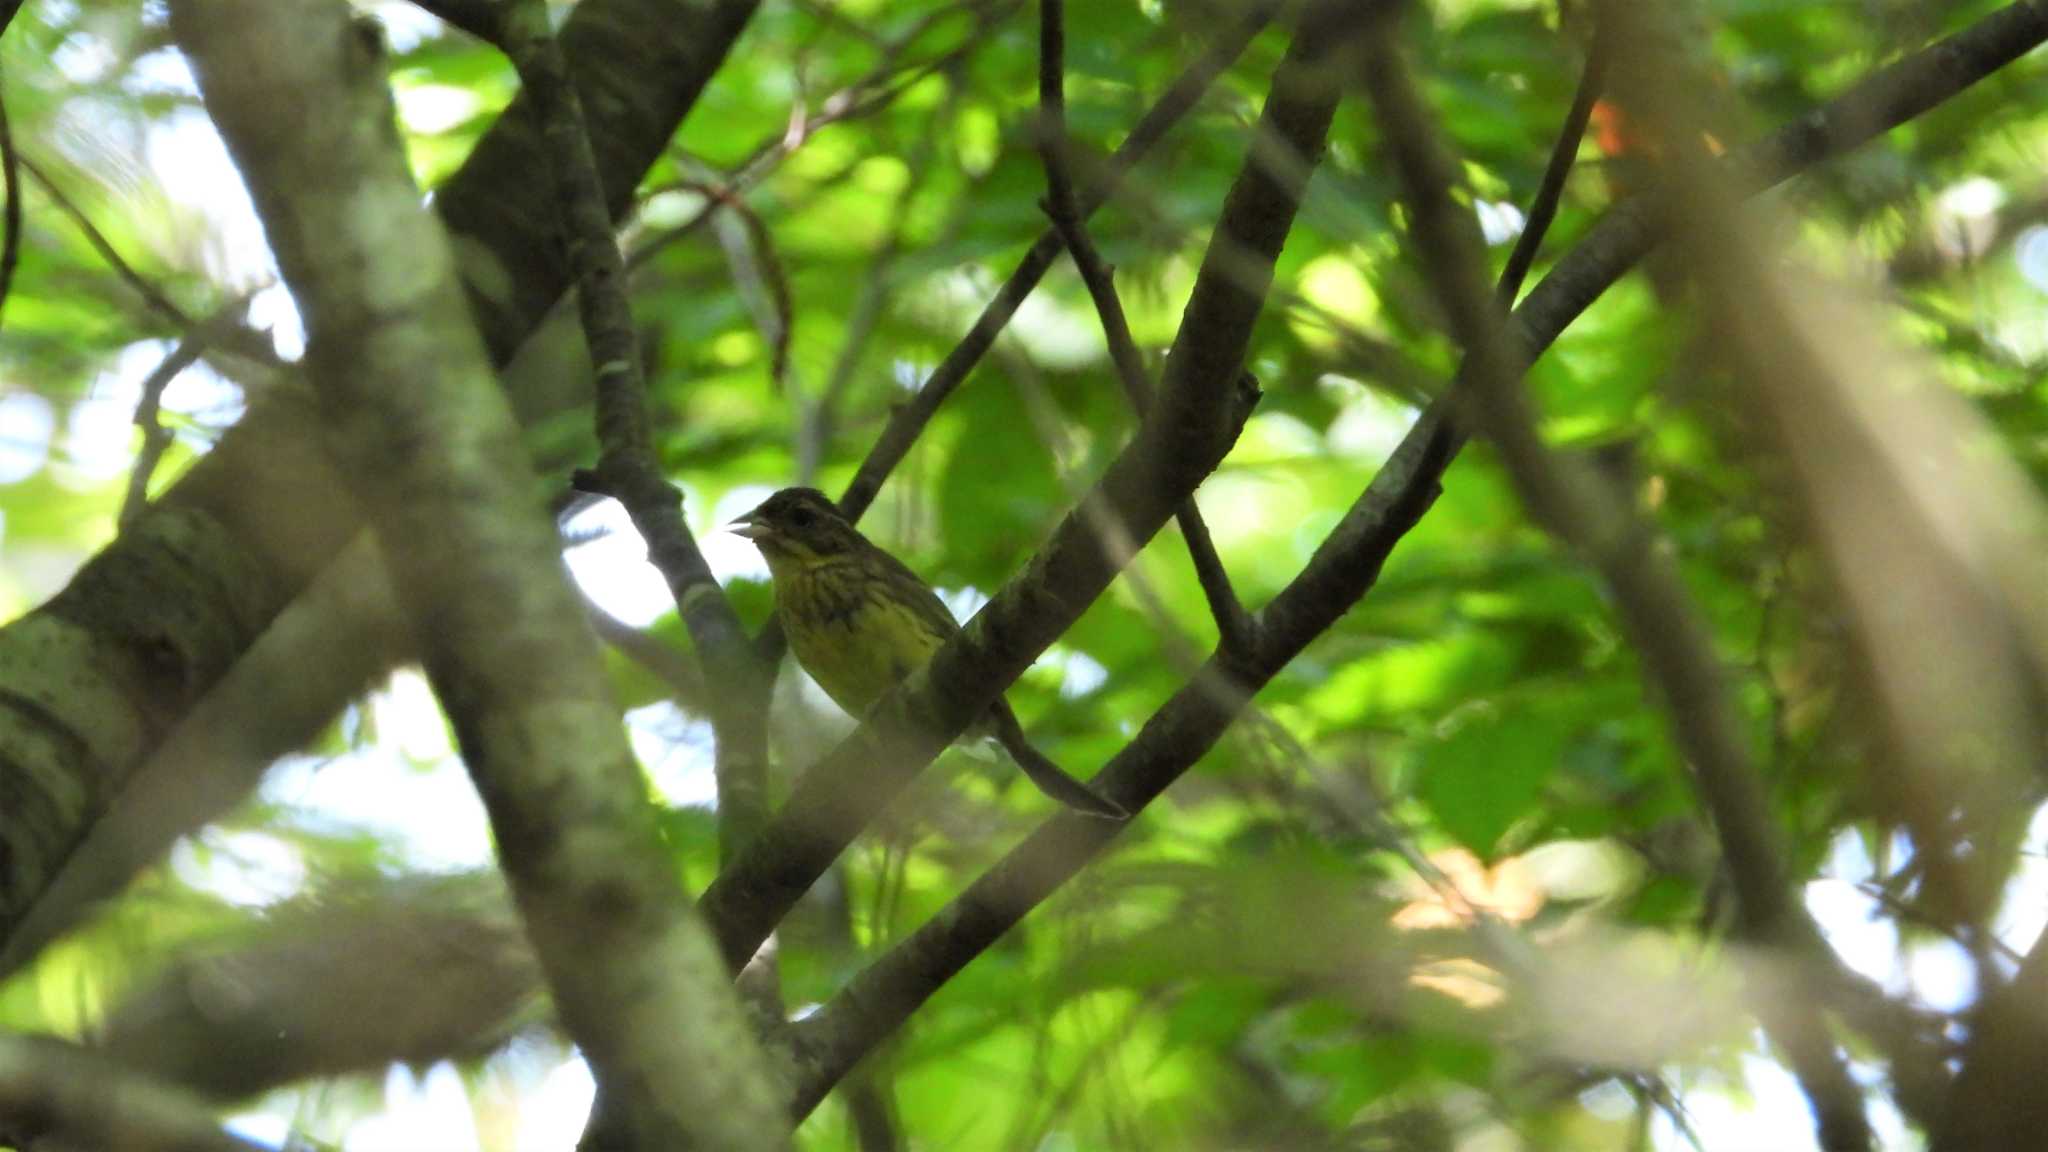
x,y
910,590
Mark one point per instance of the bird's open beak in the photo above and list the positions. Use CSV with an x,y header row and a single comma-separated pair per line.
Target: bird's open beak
x,y
747,527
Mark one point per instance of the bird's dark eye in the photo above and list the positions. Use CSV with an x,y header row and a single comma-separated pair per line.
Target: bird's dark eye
x,y
800,516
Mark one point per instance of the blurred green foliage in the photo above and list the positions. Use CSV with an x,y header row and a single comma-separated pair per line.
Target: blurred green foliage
x,y
1227,977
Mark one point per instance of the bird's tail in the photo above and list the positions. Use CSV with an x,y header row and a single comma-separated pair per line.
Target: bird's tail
x,y
1050,778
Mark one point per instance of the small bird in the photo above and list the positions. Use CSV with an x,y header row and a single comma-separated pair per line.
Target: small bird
x,y
859,621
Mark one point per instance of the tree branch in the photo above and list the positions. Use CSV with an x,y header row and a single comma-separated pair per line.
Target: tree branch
x,y
262,708
1550,192
10,174
1233,623
883,996
53,1092
1997,1101
817,420
1579,507
156,439
629,469
418,418
1856,432
483,19
907,422
1182,437
151,295
98,679
877,1001
881,87
1889,97
638,67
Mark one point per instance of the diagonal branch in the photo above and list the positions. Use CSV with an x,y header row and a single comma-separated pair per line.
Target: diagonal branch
x,y
99,681
1550,191
151,295
877,1001
241,339
434,453
1233,623
884,995
1900,92
1201,408
1579,507
54,1094
907,423
1858,431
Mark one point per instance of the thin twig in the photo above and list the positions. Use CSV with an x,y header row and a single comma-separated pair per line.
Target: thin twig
x,y
1233,624
628,468
1365,356
1654,1090
717,194
907,423
818,420
150,293
1176,645
882,86
242,340
157,439
1550,192
856,101
676,671
10,167
758,272
828,15
1907,911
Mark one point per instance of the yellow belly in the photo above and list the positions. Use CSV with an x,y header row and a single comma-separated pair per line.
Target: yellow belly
x,y
853,641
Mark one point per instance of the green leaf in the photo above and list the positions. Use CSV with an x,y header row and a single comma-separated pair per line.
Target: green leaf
x,y
1486,773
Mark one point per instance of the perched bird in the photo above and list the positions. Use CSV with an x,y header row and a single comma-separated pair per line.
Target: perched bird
x,y
859,622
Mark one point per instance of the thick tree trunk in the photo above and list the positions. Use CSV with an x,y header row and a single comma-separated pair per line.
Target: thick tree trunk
x,y
93,682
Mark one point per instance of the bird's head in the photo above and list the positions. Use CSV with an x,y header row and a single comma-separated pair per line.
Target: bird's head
x,y
799,524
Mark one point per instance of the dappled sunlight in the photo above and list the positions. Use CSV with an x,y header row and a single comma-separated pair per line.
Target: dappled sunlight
x,y
1507,890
